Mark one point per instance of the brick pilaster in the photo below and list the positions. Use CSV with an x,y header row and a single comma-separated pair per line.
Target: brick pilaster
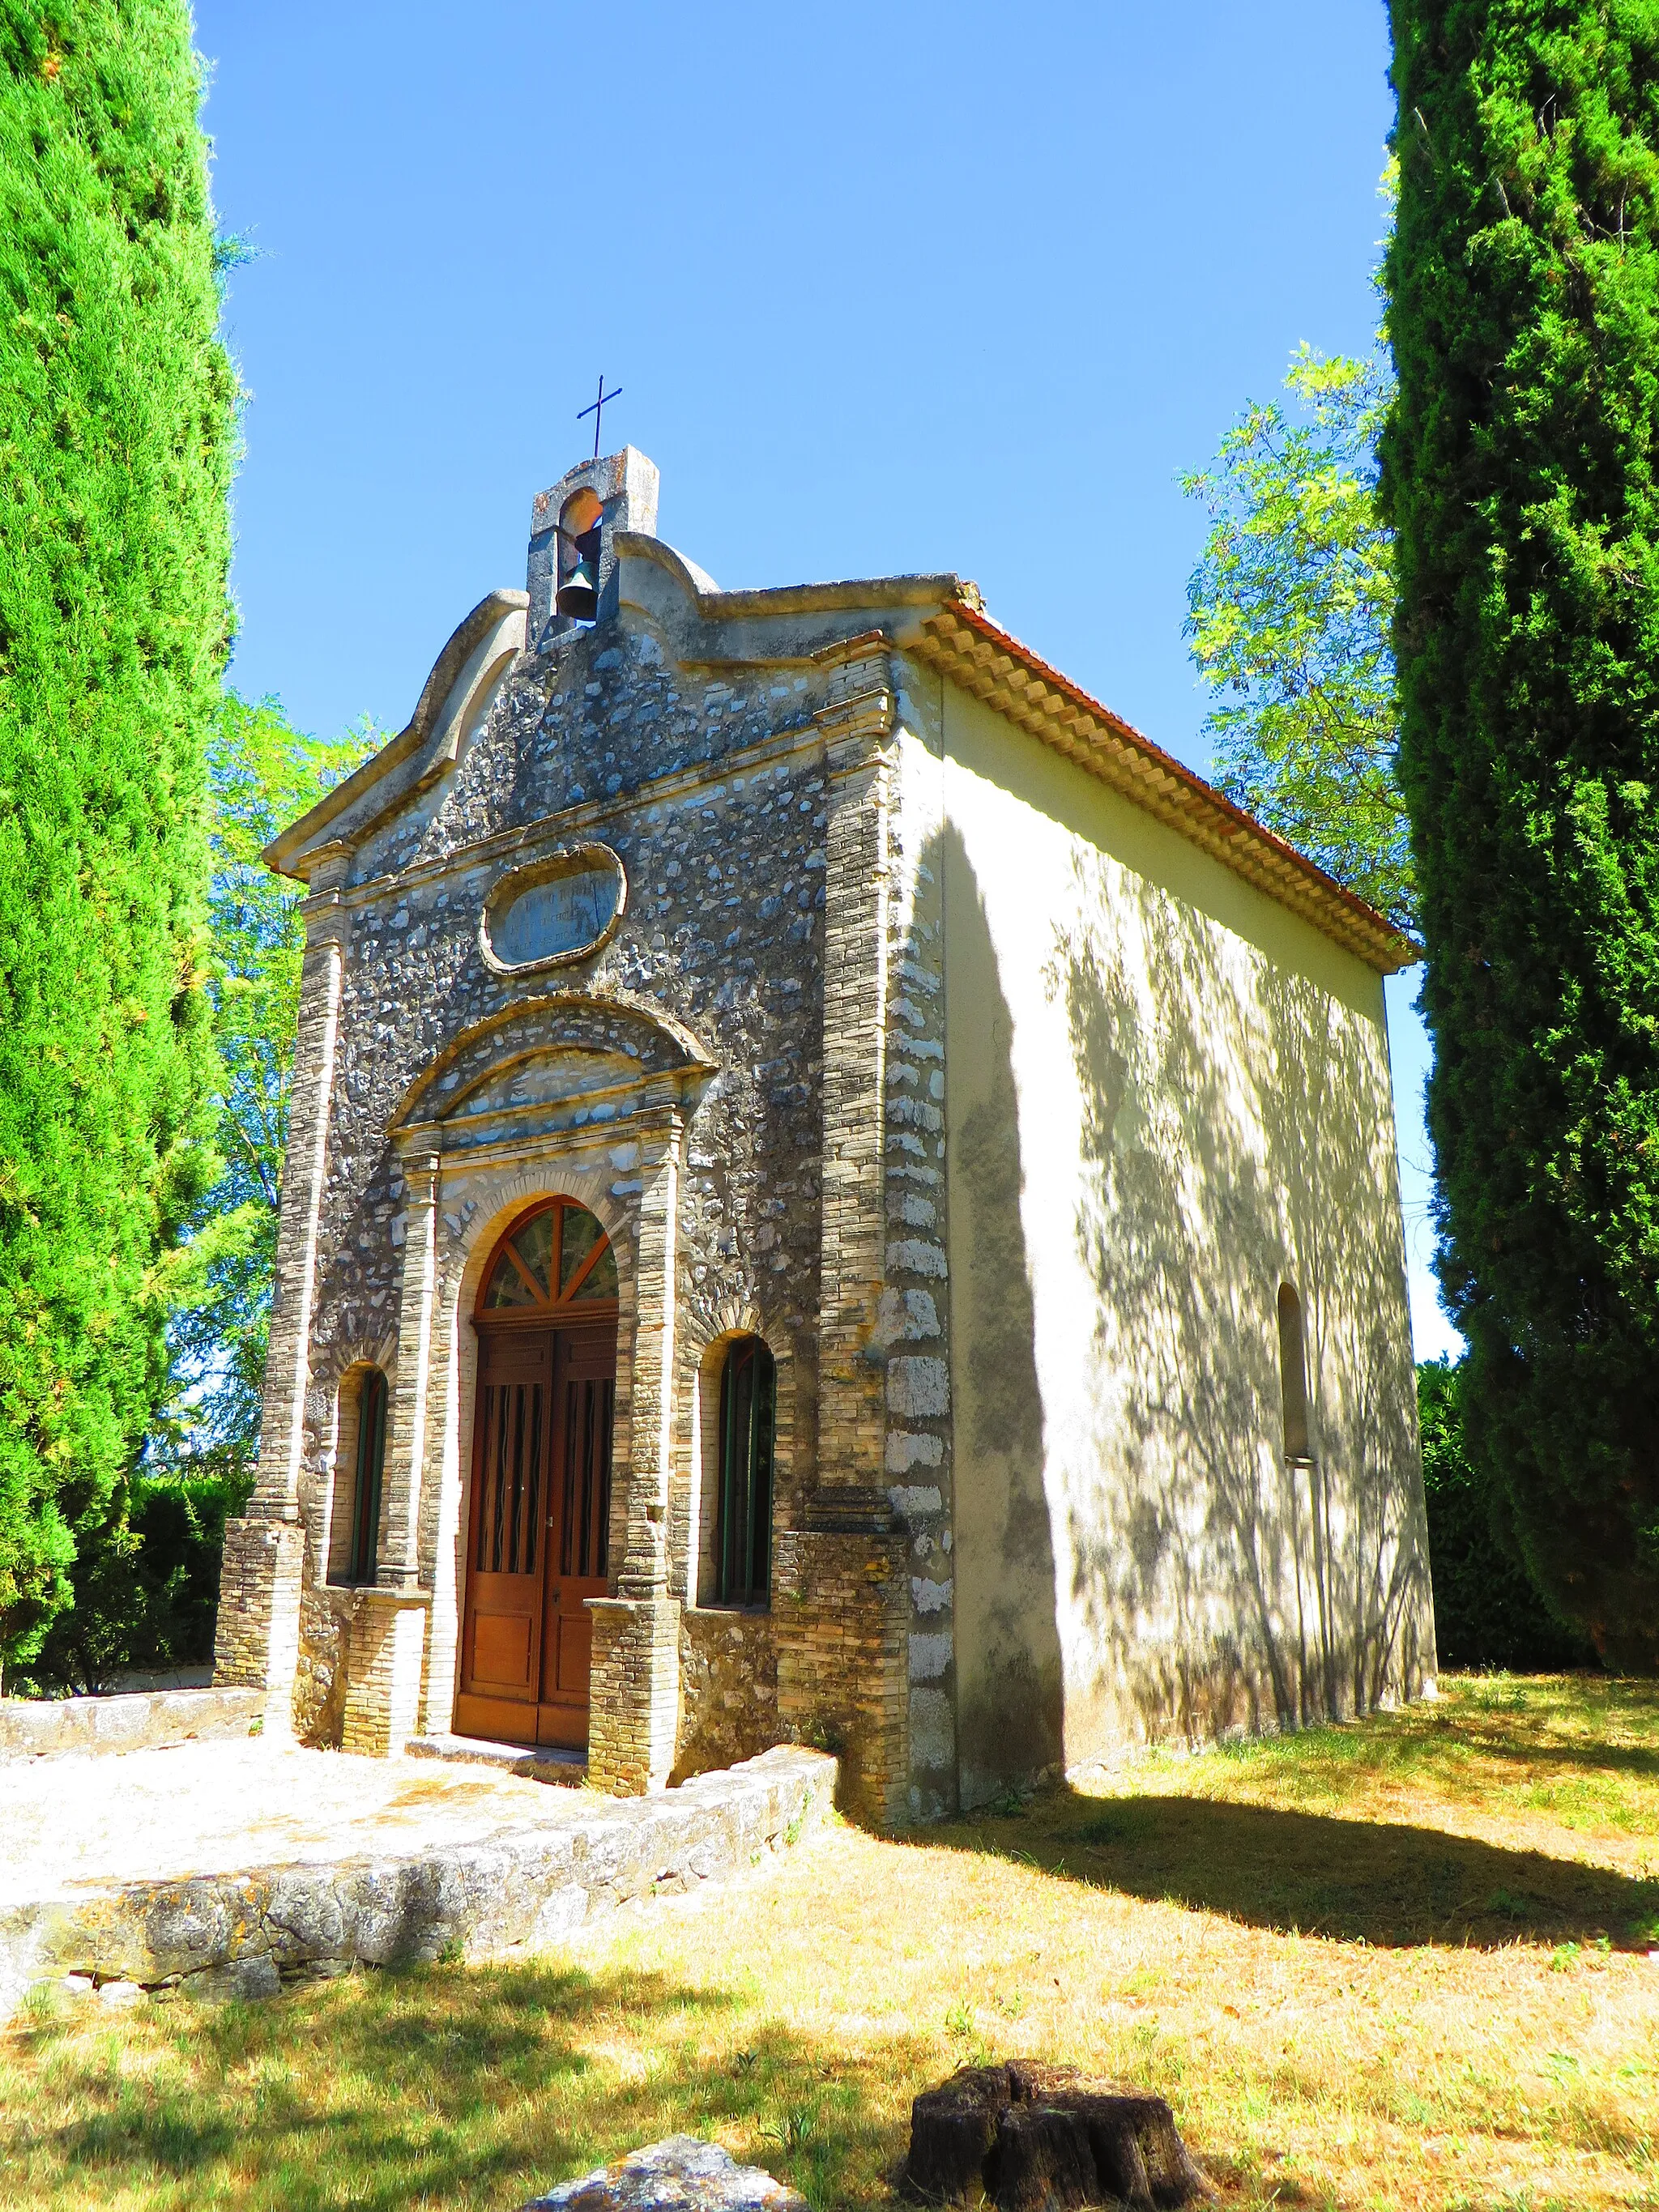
x,y
256,1642
398,1566
852,1417
635,1708
383,1673
634,1705
840,1603
643,1571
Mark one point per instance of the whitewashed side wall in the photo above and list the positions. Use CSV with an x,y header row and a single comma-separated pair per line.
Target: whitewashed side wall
x,y
1166,1097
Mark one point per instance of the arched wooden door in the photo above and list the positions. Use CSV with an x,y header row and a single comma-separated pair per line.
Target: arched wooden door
x,y
538,1530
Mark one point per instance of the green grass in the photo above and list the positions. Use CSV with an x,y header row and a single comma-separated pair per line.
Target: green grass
x,y
1369,1967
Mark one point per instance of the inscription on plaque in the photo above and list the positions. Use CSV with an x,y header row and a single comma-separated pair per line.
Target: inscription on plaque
x,y
554,910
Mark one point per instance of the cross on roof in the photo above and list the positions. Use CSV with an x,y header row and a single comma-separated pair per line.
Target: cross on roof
x,y
597,410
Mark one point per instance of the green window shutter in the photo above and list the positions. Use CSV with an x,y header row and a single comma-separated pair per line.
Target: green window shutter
x,y
371,1464
747,1425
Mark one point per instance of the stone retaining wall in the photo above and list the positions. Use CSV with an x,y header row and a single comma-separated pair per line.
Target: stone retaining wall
x,y
140,1720
518,1890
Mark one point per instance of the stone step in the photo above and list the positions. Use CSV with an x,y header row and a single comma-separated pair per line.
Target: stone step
x,y
538,1762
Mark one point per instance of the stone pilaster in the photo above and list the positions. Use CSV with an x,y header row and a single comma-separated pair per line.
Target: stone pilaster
x,y
644,1567
634,1693
398,1566
383,1676
839,1584
258,1634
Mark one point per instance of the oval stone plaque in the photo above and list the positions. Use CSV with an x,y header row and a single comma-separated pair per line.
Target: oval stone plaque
x,y
555,910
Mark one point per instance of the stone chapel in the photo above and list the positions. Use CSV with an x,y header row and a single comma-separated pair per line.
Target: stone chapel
x,y
834,1192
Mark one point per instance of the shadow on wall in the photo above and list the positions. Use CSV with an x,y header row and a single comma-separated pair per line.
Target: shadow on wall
x,y
1229,1141
1010,1672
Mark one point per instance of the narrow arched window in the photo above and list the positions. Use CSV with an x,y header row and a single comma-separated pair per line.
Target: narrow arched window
x,y
371,1465
749,1397
1293,1374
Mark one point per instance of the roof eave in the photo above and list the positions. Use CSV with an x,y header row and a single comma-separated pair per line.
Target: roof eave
x,y
964,643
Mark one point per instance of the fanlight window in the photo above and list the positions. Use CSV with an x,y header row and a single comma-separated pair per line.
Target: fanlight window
x,y
559,1257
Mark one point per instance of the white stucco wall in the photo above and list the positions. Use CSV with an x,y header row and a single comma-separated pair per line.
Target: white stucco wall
x,y
1166,1097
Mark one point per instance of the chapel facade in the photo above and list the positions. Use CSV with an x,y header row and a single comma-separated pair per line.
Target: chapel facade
x,y
834,1192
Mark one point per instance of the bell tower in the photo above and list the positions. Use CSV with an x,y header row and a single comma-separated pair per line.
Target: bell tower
x,y
571,576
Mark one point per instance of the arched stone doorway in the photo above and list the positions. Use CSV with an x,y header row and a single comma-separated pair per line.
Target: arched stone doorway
x,y
538,1527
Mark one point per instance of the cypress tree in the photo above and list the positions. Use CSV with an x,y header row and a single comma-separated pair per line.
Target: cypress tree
x,y
117,427
1519,470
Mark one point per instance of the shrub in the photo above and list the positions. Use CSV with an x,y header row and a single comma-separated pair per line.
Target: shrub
x,y
1486,1613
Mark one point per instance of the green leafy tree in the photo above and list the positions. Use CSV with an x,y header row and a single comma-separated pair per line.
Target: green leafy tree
x,y
263,774
1519,474
1291,608
116,432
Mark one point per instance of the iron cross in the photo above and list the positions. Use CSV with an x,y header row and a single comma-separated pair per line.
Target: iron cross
x,y
597,410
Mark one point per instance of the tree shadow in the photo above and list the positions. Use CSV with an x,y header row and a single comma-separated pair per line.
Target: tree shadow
x,y
1379,1882
1230,1145
453,2085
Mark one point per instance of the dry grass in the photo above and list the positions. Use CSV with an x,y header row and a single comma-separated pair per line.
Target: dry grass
x,y
1400,1964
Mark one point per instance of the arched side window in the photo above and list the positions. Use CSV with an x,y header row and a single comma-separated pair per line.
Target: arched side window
x,y
749,1401
366,1489
1293,1374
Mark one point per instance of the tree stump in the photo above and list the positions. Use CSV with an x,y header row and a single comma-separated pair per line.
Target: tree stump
x,y
1036,2138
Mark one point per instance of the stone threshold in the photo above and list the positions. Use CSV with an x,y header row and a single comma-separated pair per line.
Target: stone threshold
x,y
535,1762
514,1892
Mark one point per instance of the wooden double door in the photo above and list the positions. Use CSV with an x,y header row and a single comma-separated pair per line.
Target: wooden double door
x,y
536,1540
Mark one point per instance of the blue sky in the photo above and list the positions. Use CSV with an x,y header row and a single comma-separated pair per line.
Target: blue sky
x,y
893,288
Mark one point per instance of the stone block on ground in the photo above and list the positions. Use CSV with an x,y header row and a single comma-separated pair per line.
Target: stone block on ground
x,y
682,2174
1033,2138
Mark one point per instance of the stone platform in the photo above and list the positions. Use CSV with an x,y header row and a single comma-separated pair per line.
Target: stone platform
x,y
228,1868
36,1727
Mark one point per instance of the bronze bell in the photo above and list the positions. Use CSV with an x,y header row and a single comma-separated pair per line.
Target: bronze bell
x,y
579,589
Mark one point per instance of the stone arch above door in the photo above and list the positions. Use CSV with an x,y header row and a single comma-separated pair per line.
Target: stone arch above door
x,y
573,1057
